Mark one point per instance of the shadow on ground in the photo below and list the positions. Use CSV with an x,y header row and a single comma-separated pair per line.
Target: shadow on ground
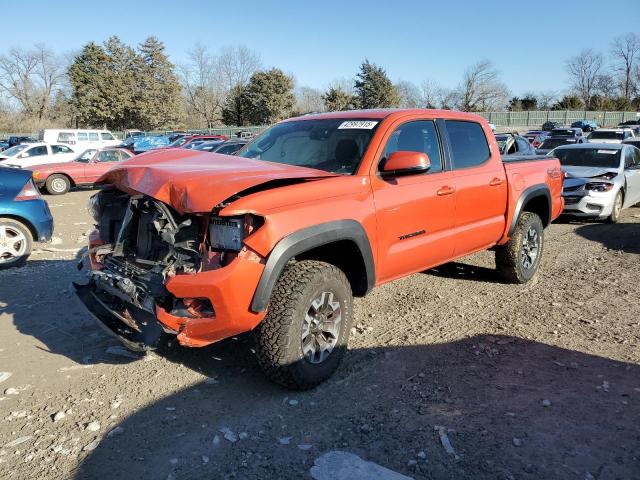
x,y
464,271
621,236
383,405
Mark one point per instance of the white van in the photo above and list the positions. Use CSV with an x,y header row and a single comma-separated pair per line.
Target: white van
x,y
80,139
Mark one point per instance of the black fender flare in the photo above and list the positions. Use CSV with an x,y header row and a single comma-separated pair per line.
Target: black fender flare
x,y
540,190
306,239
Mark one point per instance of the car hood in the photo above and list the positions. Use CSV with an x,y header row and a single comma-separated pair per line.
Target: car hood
x,y
586,172
193,181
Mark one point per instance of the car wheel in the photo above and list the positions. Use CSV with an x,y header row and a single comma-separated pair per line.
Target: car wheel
x,y
617,208
518,260
15,243
57,184
304,335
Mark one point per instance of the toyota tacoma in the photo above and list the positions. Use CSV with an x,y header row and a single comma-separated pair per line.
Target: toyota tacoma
x,y
314,211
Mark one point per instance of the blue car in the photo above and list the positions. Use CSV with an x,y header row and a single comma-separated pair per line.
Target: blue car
x,y
145,143
24,217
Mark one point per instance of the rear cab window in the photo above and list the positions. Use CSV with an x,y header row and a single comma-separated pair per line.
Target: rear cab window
x,y
468,143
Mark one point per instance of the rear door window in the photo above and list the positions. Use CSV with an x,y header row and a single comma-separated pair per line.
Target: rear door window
x,y
60,149
418,136
468,143
66,137
93,137
82,136
36,151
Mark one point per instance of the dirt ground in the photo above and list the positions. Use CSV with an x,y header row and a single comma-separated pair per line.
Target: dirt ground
x,y
540,381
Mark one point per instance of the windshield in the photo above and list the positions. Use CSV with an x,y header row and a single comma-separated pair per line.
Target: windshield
x,y
556,142
179,142
607,135
86,155
332,145
10,152
588,157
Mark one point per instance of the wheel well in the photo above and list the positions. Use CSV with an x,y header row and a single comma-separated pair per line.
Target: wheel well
x,y
26,223
345,255
71,182
540,206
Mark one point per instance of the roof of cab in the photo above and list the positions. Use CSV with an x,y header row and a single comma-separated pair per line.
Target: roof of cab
x,y
381,113
592,146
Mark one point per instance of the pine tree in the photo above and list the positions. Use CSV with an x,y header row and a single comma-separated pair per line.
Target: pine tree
x,y
269,97
236,109
121,83
88,78
336,100
373,87
158,100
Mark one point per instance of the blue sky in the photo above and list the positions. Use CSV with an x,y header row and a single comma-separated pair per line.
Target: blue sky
x,y
319,41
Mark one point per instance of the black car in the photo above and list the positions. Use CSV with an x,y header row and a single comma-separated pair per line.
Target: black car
x,y
16,140
629,122
632,141
585,125
552,142
548,126
513,144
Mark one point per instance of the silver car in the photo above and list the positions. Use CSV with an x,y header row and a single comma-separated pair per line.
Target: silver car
x,y
599,179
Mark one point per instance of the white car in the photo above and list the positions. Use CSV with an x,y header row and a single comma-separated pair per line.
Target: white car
x,y
79,139
610,135
28,154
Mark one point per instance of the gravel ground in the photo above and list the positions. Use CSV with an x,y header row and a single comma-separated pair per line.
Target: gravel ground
x,y
525,382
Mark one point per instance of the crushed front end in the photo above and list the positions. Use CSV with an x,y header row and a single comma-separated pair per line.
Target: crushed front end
x,y
152,270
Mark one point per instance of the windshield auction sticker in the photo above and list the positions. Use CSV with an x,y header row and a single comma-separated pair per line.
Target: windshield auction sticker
x,y
362,124
608,152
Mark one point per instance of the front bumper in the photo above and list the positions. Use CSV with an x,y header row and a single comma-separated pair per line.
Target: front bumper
x,y
229,290
589,204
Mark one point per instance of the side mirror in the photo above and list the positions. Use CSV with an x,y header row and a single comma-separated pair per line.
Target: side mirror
x,y
404,163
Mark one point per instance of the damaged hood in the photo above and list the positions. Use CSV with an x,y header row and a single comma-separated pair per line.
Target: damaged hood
x,y
586,172
192,181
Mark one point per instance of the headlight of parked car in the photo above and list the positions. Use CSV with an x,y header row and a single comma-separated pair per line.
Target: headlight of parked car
x,y
599,187
226,233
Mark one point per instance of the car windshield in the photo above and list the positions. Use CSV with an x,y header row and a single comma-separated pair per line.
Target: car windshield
x,y
86,155
10,152
178,142
606,135
588,157
333,145
550,143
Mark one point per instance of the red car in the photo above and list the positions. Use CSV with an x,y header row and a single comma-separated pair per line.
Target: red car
x,y
58,178
191,141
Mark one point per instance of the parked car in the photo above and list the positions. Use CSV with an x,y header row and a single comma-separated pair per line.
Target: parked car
x,y
24,217
586,125
635,141
193,244
230,147
567,132
629,123
610,135
548,126
145,143
17,140
27,154
4,144
132,133
512,144
600,179
208,146
173,136
58,178
552,142
191,141
79,139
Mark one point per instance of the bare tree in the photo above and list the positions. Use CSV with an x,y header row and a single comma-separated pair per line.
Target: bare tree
x,y
626,51
236,65
584,70
547,99
309,100
202,85
433,95
481,88
31,78
409,94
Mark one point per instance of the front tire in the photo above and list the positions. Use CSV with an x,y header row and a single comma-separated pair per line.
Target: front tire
x,y
15,243
57,184
518,260
617,208
304,335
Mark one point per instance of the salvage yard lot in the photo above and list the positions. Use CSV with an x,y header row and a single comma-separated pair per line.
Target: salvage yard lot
x,y
529,381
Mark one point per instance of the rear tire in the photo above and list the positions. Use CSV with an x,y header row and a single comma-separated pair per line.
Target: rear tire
x,y
304,335
617,208
15,243
517,261
57,184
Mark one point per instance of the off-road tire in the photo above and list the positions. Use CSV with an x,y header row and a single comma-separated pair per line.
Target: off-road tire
x,y
57,184
615,212
279,336
509,257
16,226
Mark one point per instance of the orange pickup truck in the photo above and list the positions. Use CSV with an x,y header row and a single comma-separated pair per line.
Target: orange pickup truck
x,y
314,211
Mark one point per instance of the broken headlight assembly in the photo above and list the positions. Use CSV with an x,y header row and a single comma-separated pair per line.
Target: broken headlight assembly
x,y
228,233
598,186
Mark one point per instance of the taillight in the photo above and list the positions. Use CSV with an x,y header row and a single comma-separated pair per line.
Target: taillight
x,y
28,192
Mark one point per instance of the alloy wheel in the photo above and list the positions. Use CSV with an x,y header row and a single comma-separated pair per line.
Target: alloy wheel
x,y
13,243
530,248
321,327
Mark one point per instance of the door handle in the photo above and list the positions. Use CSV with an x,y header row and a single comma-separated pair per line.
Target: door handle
x,y
496,181
445,191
